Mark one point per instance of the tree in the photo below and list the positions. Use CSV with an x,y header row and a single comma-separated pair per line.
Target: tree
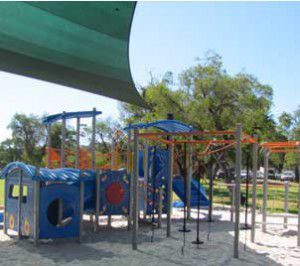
x,y
207,97
28,137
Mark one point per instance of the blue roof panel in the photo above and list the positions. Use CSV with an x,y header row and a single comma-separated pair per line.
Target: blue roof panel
x,y
172,126
68,175
68,115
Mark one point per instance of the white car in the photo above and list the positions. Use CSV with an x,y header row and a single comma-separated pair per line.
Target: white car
x,y
288,176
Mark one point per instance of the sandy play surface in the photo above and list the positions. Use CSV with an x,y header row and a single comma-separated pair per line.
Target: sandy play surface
x,y
113,246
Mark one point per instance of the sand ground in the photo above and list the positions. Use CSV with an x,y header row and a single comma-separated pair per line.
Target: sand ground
x,y
112,246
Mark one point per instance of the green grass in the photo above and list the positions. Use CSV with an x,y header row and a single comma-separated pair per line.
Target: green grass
x,y
275,201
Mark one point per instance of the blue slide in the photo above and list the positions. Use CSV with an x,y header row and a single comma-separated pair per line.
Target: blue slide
x,y
196,188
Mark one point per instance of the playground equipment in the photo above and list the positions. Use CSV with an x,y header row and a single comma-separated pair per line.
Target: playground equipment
x,y
44,203
271,148
50,203
168,137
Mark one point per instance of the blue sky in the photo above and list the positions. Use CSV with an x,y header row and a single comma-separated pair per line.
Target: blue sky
x,y
260,38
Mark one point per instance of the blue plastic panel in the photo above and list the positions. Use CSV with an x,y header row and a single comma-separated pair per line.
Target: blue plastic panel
x,y
69,194
173,126
117,179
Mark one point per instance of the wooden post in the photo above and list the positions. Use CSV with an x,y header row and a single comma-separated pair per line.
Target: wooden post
x,y
63,142
189,180
265,190
160,206
237,189
170,187
36,208
20,200
135,191
97,203
81,211
77,159
254,182
49,146
286,202
94,139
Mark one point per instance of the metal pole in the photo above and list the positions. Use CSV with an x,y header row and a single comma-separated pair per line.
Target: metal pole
x,y
97,203
170,188
63,142
145,183
20,199
160,206
135,191
112,168
298,162
129,171
94,139
232,203
5,208
81,210
265,190
36,213
237,189
189,180
77,163
49,146
254,182
286,200
211,191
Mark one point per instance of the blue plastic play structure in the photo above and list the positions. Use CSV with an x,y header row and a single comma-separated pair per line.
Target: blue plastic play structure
x,y
51,202
197,192
58,208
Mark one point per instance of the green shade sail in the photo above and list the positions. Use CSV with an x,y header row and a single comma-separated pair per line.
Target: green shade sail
x,y
83,45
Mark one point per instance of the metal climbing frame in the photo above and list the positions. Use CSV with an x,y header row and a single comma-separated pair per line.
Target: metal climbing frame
x,y
271,148
169,138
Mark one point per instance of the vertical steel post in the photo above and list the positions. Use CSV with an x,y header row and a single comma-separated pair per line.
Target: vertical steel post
x,y
5,214
20,200
254,182
97,203
237,189
232,202
81,210
265,190
77,159
298,162
145,181
63,142
189,179
160,206
129,171
286,206
49,146
94,139
135,190
170,187
36,210
211,191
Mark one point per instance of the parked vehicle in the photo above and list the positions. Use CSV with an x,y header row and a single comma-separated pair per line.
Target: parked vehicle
x,y
271,174
277,176
288,176
244,174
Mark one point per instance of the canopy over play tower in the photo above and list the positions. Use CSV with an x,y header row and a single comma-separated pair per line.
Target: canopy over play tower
x,y
83,45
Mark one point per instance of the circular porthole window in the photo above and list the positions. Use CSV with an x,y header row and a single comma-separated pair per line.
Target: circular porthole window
x,y
60,213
